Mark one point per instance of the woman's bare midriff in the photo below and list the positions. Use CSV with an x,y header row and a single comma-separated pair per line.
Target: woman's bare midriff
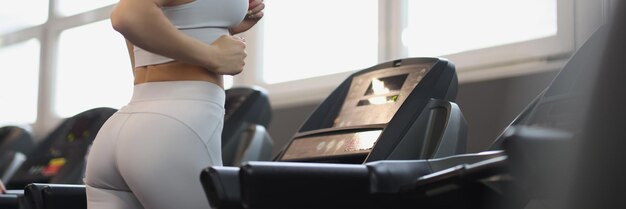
x,y
176,71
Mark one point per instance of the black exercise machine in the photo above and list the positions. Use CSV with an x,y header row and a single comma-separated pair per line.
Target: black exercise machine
x,y
245,137
399,110
60,157
15,144
535,160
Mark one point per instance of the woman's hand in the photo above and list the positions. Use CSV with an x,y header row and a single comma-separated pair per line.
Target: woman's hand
x,y
229,55
255,13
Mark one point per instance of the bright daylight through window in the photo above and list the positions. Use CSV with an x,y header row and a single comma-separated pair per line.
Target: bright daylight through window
x,y
19,83
468,25
109,83
303,40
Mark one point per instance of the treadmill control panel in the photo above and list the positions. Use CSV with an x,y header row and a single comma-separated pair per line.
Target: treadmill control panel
x,y
372,100
332,145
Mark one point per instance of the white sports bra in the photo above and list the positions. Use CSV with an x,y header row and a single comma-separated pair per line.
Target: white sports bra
x,y
204,20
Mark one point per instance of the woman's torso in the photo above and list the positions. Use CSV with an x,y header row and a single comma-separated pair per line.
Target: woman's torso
x,y
205,20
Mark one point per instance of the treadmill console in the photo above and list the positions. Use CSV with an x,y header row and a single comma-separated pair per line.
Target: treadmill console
x,y
63,150
376,96
371,101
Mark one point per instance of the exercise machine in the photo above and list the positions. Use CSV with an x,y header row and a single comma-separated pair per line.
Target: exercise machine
x,y
398,110
245,137
15,144
530,161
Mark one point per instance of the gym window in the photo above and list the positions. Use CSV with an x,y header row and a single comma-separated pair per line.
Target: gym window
x,y
465,26
299,52
19,67
72,7
484,38
64,58
14,18
309,39
19,60
92,73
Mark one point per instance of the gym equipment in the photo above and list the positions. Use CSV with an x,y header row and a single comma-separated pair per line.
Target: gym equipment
x,y
399,110
483,180
382,105
60,157
245,137
539,145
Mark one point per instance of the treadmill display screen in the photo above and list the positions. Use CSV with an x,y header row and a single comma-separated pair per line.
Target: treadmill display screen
x,y
382,86
374,97
383,90
378,100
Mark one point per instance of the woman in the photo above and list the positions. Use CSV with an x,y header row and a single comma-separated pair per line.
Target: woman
x,y
150,153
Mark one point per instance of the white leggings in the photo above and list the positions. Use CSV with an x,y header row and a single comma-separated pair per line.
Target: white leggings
x,y
151,152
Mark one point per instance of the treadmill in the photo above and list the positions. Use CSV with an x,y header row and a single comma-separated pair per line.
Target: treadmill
x,y
398,110
15,144
529,162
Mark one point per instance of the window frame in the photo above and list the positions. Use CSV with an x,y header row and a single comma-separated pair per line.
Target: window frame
x,y
494,62
48,34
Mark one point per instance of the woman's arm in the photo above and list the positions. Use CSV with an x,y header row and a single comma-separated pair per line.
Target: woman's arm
x,y
143,24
